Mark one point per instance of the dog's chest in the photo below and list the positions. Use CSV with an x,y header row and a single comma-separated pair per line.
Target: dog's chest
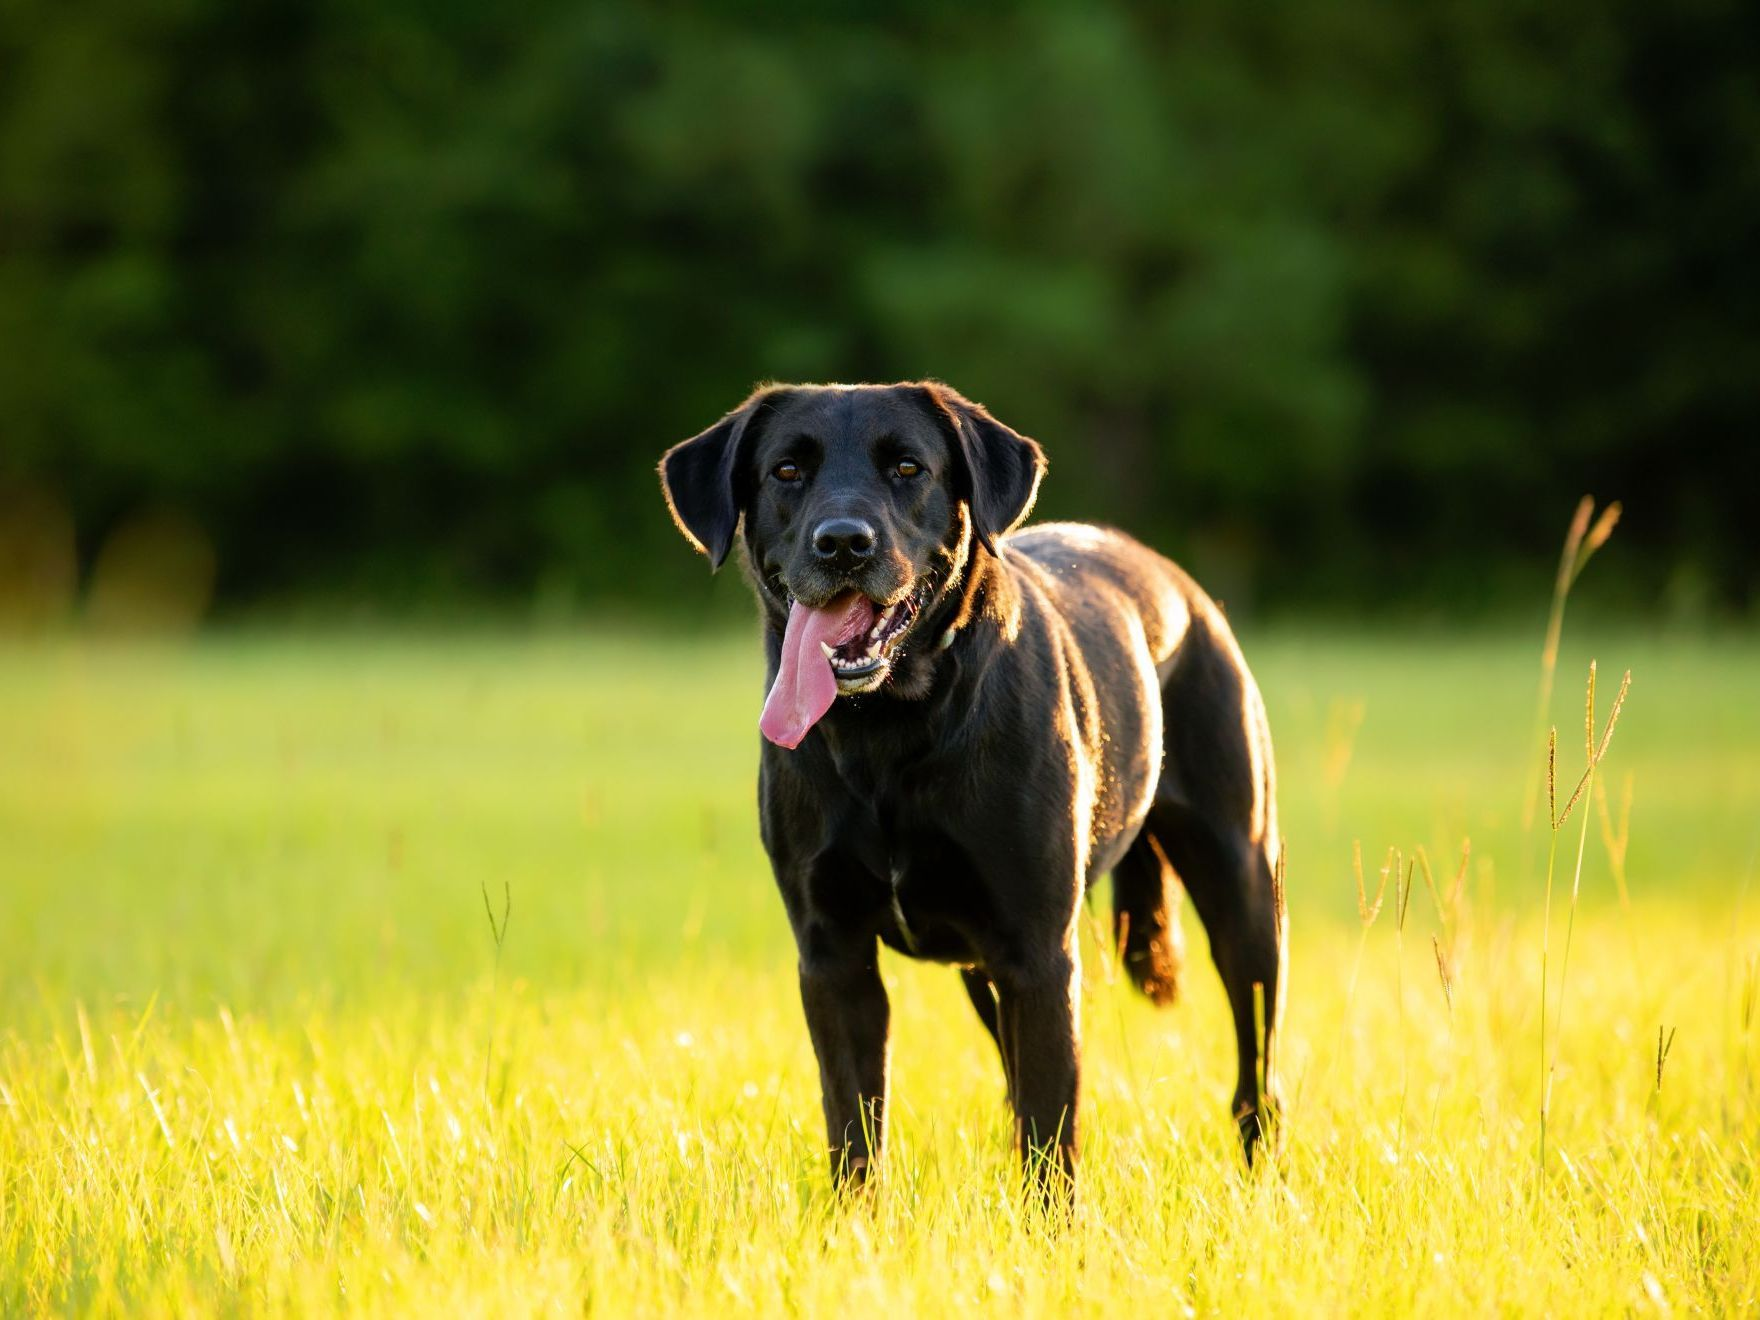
x,y
936,906
910,823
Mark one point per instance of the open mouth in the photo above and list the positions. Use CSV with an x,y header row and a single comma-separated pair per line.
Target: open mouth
x,y
839,649
863,658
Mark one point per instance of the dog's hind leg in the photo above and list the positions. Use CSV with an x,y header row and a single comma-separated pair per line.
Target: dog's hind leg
x,y
1237,896
1215,818
1145,919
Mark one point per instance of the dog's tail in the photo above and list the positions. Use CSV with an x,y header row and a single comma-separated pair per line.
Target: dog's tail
x,y
1145,920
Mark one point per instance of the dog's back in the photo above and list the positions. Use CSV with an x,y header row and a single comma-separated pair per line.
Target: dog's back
x,y
1098,575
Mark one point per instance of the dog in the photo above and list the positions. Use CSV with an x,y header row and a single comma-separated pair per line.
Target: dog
x,y
967,723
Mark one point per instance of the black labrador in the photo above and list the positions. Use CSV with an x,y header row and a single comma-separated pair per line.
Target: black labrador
x,y
968,724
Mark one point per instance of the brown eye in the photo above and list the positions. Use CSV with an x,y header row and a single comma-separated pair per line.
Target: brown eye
x,y
787,470
908,467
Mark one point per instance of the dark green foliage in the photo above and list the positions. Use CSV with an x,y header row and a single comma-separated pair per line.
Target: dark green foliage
x,y
1334,301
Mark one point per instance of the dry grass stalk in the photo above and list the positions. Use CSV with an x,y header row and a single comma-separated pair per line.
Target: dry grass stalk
x,y
1588,749
1402,888
1448,911
1619,702
1664,1043
1444,973
1552,776
1598,534
1366,911
1580,544
1594,750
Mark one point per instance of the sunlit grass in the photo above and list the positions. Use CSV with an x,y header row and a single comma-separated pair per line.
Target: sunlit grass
x,y
260,1051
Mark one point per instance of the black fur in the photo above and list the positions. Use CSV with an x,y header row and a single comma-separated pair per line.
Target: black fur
x,y
1066,703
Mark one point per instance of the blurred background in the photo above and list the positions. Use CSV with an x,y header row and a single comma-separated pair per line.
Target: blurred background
x,y
388,310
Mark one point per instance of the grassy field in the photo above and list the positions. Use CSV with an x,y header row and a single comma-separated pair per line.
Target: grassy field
x,y
259,1051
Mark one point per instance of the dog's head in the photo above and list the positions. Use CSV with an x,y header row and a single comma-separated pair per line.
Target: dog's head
x,y
860,504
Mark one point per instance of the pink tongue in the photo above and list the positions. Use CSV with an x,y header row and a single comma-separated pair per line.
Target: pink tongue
x,y
805,687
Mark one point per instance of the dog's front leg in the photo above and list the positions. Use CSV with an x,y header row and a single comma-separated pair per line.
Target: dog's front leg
x,y
1038,1003
848,1018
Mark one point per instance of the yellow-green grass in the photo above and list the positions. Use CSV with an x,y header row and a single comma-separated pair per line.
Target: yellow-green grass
x,y
256,1053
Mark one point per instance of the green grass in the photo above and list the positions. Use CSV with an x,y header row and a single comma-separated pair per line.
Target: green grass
x,y
256,1052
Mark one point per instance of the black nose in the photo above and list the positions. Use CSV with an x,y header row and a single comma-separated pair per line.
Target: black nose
x,y
846,539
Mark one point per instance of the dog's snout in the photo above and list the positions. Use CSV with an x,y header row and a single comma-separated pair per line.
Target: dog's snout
x,y
847,540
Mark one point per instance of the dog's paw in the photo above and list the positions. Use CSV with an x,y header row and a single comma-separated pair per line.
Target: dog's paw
x,y
1154,971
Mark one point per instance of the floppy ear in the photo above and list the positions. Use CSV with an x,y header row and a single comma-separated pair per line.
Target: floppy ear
x,y
701,478
997,469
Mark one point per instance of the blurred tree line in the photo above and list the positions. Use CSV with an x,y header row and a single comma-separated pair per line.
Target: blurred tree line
x,y
1339,302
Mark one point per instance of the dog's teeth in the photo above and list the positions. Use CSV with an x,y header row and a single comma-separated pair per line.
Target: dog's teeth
x,y
829,653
